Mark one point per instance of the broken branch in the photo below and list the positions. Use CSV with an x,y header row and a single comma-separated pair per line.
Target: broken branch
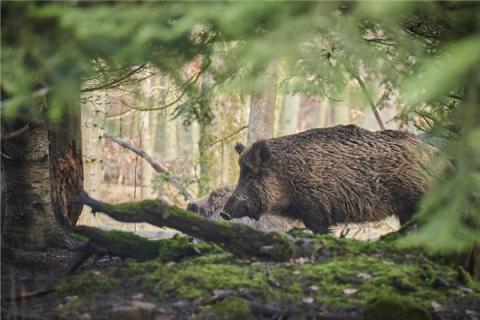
x,y
155,165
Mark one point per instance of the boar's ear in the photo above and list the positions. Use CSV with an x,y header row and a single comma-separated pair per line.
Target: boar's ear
x,y
239,147
261,155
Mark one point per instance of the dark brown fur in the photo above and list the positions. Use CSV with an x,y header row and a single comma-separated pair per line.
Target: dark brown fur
x,y
212,206
323,177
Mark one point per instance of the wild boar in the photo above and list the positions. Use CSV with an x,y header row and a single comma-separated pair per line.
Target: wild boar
x,y
212,206
330,176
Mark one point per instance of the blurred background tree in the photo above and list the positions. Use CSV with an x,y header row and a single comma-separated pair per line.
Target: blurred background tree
x,y
421,58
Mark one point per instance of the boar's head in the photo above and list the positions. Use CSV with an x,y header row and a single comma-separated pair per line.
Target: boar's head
x,y
259,189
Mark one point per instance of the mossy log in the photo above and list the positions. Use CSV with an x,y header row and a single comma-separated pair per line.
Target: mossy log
x,y
241,240
128,245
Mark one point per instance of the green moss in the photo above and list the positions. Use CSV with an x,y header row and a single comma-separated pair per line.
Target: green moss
x,y
88,282
465,278
394,308
346,274
136,207
179,247
72,307
229,309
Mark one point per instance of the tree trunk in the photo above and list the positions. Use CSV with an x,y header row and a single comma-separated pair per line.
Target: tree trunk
x,y
93,129
66,166
262,114
205,159
288,122
27,206
43,170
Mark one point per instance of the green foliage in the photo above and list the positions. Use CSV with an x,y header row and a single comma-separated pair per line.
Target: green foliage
x,y
424,54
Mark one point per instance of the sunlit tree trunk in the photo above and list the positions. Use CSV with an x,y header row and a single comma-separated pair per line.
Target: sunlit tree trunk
x,y
288,122
261,119
93,129
205,155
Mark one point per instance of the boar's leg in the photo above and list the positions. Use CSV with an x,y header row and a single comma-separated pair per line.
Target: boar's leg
x,y
316,222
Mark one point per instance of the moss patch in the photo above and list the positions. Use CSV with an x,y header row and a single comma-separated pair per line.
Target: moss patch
x,y
395,308
87,283
229,309
344,274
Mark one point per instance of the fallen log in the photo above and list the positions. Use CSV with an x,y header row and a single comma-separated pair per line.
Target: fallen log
x,y
241,240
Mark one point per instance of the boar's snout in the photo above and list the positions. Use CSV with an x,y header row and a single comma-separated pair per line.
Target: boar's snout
x,y
225,215
236,209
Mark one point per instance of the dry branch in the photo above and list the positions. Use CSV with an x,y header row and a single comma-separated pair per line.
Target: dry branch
x,y
187,195
241,240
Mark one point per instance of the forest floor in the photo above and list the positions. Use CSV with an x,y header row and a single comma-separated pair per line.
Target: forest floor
x,y
349,279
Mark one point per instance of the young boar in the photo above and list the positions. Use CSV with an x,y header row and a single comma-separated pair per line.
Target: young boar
x,y
328,176
212,206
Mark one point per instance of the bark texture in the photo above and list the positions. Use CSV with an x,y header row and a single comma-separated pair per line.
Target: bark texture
x,y
262,115
26,206
66,170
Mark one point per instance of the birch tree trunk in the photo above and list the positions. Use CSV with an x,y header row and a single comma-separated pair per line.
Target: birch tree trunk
x,y
27,203
44,171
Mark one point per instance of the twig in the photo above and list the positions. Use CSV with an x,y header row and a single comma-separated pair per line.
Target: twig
x,y
369,99
455,96
229,136
155,165
29,294
119,115
16,133
192,80
115,81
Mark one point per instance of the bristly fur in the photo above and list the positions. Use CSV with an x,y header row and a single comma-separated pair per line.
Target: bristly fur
x,y
342,174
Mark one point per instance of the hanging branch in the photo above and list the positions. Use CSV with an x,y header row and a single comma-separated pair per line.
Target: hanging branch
x,y
117,81
369,99
229,136
184,87
241,240
155,165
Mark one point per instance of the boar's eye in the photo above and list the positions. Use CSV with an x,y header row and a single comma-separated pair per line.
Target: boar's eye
x,y
246,172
